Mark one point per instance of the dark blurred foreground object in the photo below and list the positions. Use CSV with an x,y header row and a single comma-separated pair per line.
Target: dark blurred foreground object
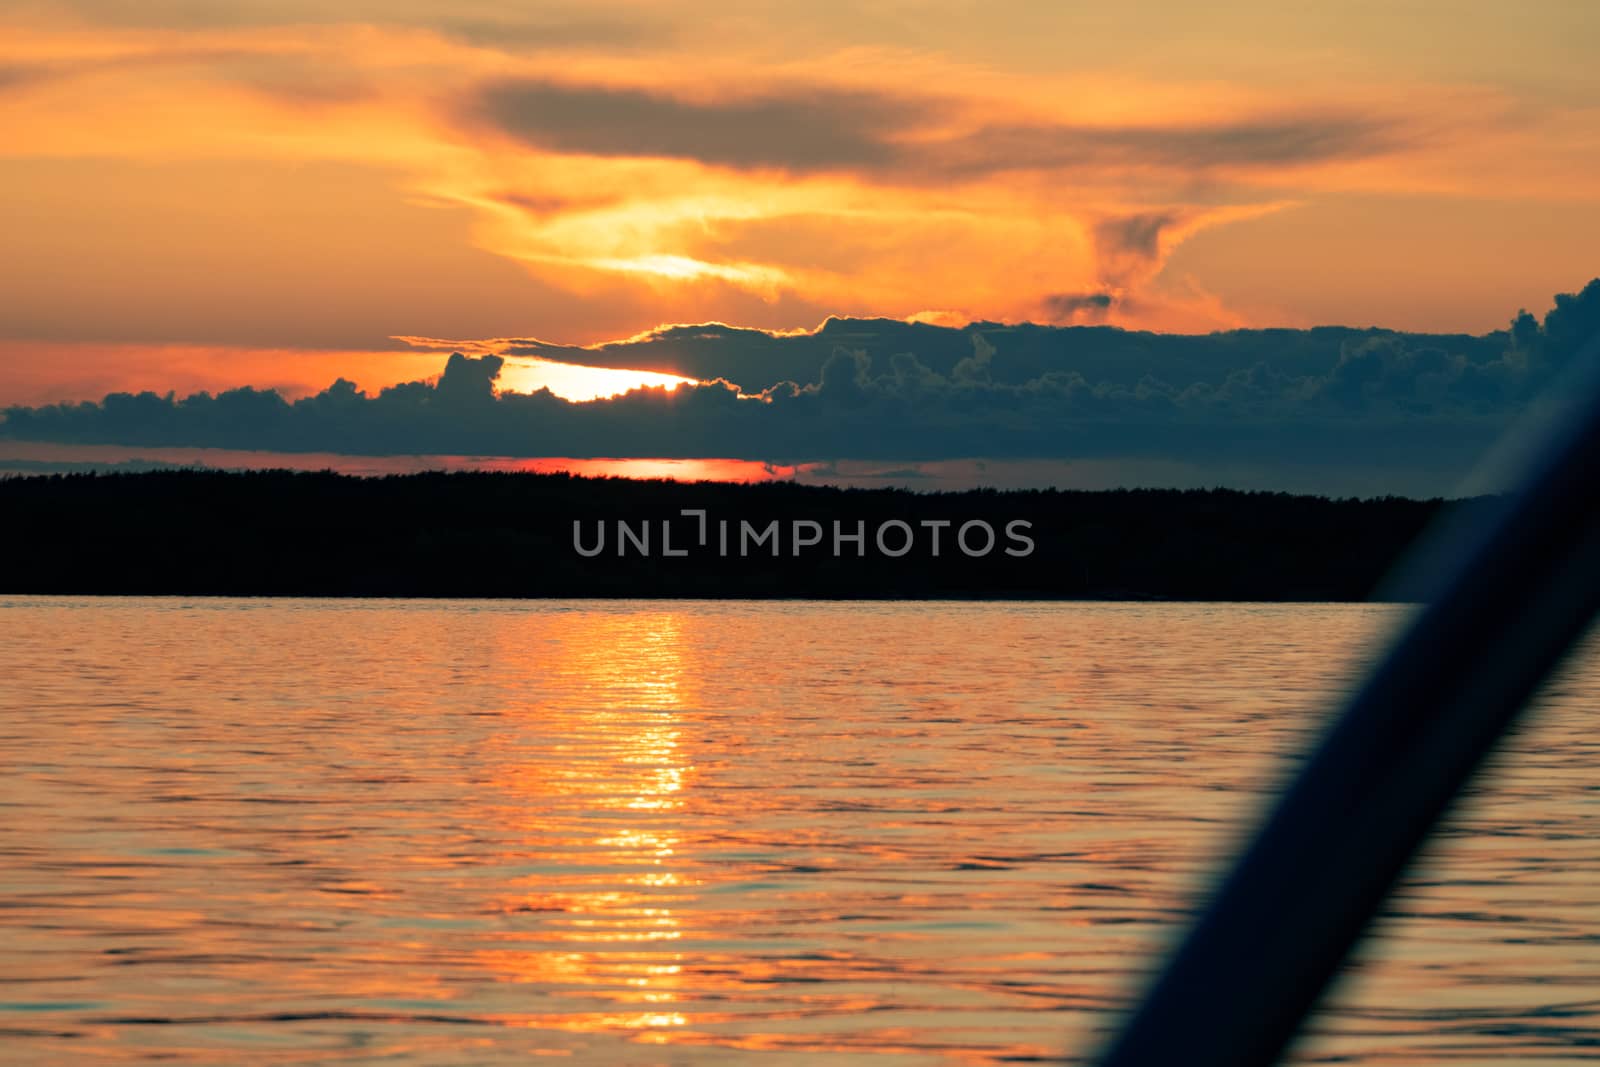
x,y
1507,601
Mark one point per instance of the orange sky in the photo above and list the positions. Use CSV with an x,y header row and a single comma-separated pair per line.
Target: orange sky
x,y
199,195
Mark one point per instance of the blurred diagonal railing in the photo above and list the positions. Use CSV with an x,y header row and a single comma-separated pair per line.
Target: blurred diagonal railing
x,y
1506,601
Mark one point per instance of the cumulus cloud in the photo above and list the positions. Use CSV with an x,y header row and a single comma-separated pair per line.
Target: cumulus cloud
x,y
874,390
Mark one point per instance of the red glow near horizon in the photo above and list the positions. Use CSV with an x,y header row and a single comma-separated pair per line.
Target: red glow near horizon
x,y
677,470
29,457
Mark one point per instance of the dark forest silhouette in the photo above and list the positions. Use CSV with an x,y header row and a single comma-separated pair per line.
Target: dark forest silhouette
x,y
511,535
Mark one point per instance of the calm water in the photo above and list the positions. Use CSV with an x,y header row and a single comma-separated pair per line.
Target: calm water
x,y
286,832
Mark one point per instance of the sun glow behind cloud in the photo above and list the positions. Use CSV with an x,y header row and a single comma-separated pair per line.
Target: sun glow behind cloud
x,y
572,381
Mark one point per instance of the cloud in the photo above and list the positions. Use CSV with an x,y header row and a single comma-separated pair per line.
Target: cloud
x,y
1079,307
1129,251
1419,406
916,138
12,74
1276,141
1129,247
497,25
805,128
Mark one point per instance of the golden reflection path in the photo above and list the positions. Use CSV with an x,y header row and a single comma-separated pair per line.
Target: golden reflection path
x,y
618,773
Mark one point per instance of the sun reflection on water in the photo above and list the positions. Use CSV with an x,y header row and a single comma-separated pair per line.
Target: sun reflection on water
x,y
624,765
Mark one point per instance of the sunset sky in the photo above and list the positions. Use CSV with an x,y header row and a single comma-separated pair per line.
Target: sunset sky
x,y
199,195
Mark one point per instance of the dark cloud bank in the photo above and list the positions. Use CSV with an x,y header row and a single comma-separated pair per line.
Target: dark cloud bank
x,y
1299,409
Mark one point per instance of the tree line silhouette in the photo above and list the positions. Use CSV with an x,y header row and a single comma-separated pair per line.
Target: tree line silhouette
x,y
285,533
